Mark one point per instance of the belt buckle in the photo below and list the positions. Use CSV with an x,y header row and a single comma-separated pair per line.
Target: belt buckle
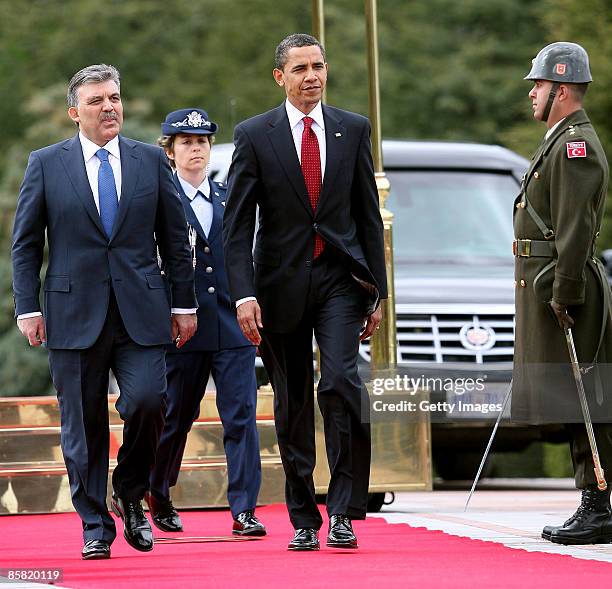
x,y
515,248
527,248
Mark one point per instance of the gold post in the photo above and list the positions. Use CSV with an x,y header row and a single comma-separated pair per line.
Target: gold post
x,y
384,343
318,27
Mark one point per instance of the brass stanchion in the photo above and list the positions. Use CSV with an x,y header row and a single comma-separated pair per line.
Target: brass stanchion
x,y
383,345
318,28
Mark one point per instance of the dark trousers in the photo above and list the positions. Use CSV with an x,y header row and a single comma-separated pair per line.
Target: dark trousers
x,y
233,371
335,313
582,456
81,380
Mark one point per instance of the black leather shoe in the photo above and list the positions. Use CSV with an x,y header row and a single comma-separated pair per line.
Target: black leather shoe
x,y
591,524
136,527
163,514
341,533
305,539
247,524
95,550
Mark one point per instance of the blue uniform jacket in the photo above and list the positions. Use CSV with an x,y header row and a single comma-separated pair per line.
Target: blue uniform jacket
x,y
217,325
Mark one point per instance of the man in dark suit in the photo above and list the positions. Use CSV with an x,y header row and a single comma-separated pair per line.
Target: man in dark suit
x,y
318,267
218,346
105,203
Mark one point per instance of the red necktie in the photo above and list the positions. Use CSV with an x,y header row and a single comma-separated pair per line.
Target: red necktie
x,y
311,168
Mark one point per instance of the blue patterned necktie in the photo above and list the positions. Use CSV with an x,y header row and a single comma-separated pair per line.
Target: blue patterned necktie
x,y
107,192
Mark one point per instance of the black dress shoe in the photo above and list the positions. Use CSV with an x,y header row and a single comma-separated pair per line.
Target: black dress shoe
x,y
136,527
95,550
247,524
341,533
305,539
163,514
591,524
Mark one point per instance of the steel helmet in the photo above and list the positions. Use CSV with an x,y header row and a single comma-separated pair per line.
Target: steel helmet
x,y
561,62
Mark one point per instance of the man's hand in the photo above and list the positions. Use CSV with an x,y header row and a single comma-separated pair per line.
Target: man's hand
x,y
560,311
249,319
372,323
34,329
183,328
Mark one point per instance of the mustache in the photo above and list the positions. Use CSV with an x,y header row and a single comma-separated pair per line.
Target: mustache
x,y
109,116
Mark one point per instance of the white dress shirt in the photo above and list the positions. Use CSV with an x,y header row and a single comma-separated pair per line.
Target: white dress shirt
x,y
202,208
92,164
296,123
552,129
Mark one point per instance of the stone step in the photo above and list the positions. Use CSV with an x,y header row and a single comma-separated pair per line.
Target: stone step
x,y
44,411
23,448
45,489
33,475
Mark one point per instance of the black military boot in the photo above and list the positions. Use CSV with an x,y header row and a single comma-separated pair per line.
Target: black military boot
x,y
591,524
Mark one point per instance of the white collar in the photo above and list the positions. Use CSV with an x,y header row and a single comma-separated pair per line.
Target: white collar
x,y
190,191
295,115
90,148
552,129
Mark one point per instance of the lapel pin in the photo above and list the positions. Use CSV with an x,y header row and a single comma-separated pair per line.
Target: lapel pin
x,y
338,134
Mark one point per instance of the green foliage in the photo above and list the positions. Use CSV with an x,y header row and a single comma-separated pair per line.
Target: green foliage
x,y
23,371
448,70
589,22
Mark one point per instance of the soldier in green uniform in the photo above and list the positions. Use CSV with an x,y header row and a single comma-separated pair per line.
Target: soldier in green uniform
x,y
559,281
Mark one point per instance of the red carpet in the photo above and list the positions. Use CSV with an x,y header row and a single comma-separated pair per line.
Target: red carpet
x,y
391,556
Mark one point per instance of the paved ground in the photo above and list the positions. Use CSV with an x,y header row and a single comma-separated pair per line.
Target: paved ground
x,y
508,511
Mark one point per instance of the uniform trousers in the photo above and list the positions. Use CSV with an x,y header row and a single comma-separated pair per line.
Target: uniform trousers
x,y
233,371
582,456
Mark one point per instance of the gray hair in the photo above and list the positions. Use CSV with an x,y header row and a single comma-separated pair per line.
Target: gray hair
x,y
281,54
88,75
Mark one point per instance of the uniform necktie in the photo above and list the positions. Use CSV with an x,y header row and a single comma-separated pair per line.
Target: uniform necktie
x,y
311,169
200,193
107,192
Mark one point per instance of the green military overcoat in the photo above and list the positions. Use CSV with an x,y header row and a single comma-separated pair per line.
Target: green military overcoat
x,y
565,186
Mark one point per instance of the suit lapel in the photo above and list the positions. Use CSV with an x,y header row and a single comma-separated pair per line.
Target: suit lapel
x,y
335,137
130,168
284,147
189,212
74,164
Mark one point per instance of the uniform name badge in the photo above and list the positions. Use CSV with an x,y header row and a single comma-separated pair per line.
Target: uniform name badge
x,y
193,238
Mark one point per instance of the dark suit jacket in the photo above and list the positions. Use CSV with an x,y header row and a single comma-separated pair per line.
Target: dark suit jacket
x,y
83,263
265,171
217,325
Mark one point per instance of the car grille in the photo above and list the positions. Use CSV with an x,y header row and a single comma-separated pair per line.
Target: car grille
x,y
442,333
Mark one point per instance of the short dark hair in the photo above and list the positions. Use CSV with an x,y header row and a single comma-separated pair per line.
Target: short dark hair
x,y
281,54
91,74
578,91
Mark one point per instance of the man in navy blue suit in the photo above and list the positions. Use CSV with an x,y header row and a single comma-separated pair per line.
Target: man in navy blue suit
x,y
219,347
106,203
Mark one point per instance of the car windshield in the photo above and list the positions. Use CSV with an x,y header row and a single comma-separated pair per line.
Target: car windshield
x,y
441,216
